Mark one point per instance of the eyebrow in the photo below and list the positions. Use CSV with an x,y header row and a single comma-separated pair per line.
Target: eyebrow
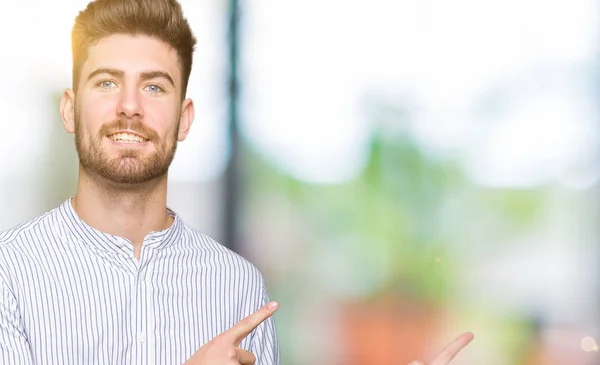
x,y
157,74
145,76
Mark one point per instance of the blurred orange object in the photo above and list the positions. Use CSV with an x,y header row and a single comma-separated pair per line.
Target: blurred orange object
x,y
387,331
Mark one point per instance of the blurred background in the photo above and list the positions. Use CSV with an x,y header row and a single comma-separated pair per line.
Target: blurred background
x,y
400,171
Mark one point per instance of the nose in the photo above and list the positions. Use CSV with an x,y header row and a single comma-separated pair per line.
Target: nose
x,y
130,105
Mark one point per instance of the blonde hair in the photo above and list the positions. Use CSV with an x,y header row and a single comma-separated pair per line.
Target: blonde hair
x,y
161,19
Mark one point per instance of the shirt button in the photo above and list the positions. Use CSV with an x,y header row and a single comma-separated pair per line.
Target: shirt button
x,y
141,337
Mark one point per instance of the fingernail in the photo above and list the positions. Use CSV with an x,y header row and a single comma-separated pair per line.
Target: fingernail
x,y
272,305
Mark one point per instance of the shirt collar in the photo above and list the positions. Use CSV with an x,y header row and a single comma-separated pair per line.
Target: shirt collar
x,y
108,242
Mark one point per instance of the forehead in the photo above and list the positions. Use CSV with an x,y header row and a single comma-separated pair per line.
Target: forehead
x,y
133,55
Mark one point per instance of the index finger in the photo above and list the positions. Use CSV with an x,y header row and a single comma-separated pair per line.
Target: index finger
x,y
243,328
448,353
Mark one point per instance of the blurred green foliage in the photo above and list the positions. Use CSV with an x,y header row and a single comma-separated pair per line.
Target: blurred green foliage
x,y
399,224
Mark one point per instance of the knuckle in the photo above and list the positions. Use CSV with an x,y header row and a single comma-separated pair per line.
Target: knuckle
x,y
449,352
248,322
231,353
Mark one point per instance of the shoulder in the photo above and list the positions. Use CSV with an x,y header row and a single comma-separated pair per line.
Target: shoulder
x,y
214,253
34,228
19,245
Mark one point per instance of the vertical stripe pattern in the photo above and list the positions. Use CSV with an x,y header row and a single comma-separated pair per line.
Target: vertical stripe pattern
x,y
70,294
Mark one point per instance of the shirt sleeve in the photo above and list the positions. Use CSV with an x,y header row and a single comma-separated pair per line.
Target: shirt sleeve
x,y
264,343
14,347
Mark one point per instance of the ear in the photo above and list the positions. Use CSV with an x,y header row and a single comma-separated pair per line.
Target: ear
x,y
186,119
67,110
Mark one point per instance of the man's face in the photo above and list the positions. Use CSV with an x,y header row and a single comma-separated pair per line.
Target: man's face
x,y
127,109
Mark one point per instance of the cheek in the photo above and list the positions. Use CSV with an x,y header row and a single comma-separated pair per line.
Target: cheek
x,y
164,119
94,111
101,107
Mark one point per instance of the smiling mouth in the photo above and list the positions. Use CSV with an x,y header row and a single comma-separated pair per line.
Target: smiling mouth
x,y
127,138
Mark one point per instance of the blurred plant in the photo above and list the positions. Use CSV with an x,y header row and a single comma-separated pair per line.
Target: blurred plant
x,y
394,229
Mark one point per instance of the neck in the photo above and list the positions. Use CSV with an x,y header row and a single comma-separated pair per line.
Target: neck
x,y
128,211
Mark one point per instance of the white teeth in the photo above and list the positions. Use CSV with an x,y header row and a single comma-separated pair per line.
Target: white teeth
x,y
126,137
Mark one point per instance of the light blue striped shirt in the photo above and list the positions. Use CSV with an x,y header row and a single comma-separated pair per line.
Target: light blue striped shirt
x,y
70,294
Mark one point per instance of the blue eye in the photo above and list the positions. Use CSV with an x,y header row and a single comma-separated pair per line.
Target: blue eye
x,y
106,84
154,89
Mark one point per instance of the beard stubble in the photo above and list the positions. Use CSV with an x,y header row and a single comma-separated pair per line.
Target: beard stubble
x,y
130,166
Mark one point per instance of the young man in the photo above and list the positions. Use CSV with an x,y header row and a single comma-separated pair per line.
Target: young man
x,y
112,276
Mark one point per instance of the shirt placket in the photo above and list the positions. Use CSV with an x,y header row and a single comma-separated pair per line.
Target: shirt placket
x,y
144,320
